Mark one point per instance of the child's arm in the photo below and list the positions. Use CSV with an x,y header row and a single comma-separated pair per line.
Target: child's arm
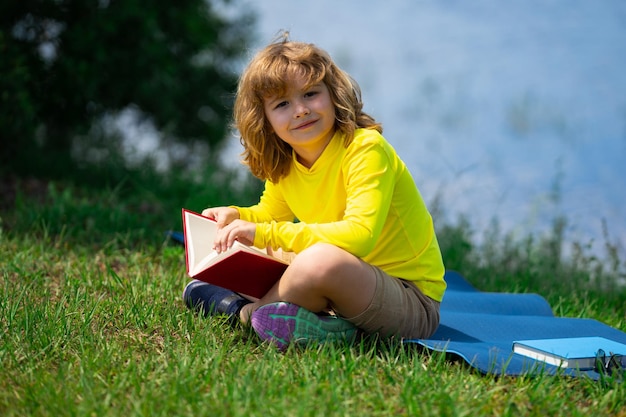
x,y
221,215
357,213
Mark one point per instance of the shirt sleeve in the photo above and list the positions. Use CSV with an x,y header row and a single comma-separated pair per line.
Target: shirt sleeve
x,y
368,178
271,207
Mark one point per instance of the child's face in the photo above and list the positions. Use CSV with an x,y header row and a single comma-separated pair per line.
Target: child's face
x,y
303,117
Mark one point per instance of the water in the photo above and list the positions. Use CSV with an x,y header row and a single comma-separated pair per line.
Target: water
x,y
514,111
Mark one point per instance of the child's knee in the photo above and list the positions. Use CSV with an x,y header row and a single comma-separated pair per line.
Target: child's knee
x,y
320,257
322,265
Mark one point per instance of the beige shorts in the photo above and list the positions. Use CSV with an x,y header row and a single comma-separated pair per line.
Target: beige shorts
x,y
399,309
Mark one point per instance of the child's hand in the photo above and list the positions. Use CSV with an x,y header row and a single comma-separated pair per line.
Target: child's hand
x,y
222,215
238,230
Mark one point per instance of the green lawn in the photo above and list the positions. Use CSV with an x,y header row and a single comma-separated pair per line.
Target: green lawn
x,y
93,325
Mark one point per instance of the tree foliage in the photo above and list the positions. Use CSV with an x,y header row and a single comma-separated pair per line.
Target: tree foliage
x,y
67,63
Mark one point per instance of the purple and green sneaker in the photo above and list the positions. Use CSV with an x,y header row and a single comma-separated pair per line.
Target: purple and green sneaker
x,y
284,323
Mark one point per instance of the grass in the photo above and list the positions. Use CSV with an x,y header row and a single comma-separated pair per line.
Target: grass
x,y
92,324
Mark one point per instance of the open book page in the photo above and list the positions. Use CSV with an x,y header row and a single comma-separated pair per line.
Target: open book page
x,y
242,269
200,234
202,263
214,257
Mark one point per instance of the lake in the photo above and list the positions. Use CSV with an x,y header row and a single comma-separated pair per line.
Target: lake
x,y
514,111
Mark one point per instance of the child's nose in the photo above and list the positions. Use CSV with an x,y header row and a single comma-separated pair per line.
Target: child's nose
x,y
301,110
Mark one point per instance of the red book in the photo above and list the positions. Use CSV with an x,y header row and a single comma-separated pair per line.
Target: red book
x,y
243,269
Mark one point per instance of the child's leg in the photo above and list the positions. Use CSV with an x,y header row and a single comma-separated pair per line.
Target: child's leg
x,y
399,308
322,276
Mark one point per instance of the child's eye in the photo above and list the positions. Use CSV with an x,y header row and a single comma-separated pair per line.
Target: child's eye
x,y
280,104
310,93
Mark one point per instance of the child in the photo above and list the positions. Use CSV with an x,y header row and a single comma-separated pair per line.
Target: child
x,y
336,194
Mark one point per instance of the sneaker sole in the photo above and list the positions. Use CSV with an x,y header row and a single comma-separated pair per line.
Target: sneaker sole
x,y
285,323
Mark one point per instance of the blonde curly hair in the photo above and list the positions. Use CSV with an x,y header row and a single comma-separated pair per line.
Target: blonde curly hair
x,y
268,75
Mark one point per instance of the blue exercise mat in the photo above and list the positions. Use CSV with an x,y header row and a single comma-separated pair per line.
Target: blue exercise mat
x,y
177,237
480,327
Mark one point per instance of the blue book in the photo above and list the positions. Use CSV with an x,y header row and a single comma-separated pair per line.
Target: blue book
x,y
574,352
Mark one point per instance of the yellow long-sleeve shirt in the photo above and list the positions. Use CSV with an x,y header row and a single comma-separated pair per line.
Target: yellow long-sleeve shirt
x,y
362,199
